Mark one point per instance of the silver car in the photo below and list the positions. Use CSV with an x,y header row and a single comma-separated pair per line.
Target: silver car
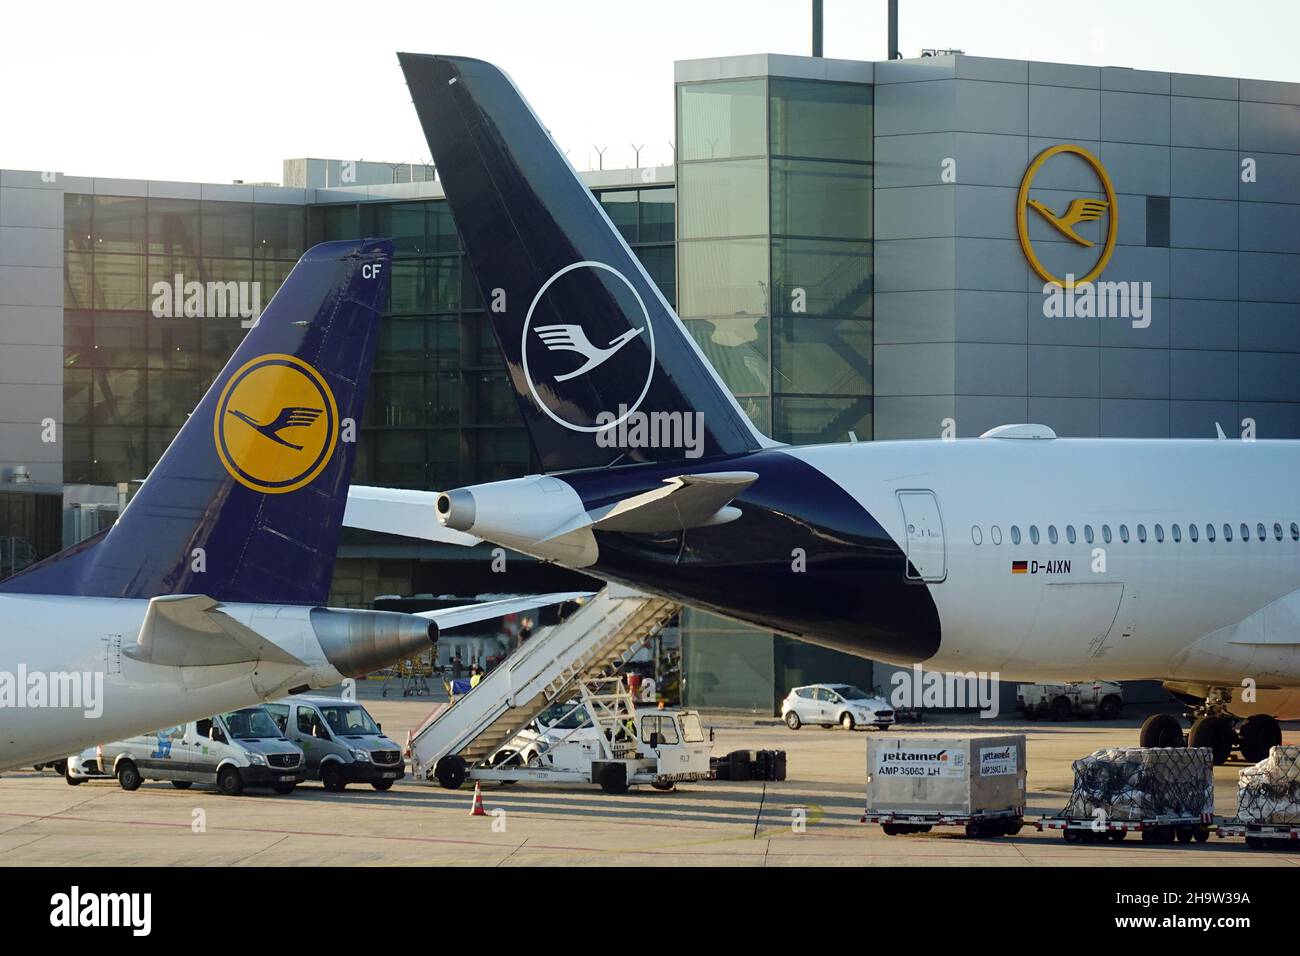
x,y
831,704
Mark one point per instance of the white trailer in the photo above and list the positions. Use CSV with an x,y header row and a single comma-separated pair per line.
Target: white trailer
x,y
915,783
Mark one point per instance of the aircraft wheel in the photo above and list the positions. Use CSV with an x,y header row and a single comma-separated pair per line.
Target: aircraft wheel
x,y
1216,734
1161,730
1258,735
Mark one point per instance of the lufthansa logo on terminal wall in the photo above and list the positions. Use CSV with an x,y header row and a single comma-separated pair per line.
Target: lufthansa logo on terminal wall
x,y
276,424
1071,221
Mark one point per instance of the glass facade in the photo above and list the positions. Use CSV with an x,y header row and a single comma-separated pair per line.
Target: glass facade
x,y
31,528
133,372
775,282
440,412
774,247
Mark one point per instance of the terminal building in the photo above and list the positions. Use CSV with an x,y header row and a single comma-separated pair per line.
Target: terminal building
x,y
863,250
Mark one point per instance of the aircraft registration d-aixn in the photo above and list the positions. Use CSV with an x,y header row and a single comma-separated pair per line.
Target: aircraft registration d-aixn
x,y
1017,553
206,595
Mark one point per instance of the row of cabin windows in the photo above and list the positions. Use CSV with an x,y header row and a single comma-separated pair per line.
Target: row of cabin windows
x,y
1261,533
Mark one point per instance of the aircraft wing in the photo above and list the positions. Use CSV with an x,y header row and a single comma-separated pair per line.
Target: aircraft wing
x,y
400,511
687,501
473,613
190,630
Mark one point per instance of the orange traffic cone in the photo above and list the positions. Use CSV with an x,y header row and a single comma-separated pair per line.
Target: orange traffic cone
x,y
406,752
477,810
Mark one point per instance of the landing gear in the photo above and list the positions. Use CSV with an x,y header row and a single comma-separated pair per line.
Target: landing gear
x,y
1258,734
1161,730
1213,725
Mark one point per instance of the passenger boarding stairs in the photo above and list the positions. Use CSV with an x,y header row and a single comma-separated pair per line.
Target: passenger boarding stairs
x,y
595,641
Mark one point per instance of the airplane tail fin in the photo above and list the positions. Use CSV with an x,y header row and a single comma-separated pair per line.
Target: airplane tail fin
x,y
603,369
247,502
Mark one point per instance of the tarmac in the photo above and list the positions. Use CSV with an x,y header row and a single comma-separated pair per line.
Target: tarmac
x,y
812,818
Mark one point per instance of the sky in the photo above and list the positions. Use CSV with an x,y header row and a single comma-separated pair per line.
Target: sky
x,y
214,92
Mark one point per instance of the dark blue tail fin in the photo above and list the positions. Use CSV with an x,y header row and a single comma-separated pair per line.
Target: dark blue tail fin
x,y
603,369
247,502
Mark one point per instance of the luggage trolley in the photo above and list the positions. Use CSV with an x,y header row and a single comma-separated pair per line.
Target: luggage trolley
x,y
1268,836
978,824
1164,829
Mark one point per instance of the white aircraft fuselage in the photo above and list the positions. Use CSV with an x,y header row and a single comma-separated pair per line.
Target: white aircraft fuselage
x,y
69,680
1036,559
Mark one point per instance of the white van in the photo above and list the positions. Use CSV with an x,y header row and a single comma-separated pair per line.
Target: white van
x,y
243,748
340,741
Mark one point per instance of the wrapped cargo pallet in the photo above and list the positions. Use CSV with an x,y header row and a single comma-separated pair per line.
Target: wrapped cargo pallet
x,y
1143,783
1269,792
950,775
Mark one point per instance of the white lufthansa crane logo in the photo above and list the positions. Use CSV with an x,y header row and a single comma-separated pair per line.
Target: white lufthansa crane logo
x,y
572,337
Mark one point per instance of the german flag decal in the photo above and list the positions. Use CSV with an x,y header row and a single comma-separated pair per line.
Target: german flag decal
x,y
1019,567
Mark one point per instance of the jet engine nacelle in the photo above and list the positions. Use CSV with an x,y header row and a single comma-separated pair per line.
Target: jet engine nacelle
x,y
539,515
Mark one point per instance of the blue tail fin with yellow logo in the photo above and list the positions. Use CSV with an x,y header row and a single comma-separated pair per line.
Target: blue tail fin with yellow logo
x,y
247,502
603,370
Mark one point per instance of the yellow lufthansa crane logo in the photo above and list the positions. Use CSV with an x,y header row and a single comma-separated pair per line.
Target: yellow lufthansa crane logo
x,y
1077,213
276,424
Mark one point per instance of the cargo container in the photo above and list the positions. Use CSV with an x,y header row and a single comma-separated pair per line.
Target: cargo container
x,y
915,783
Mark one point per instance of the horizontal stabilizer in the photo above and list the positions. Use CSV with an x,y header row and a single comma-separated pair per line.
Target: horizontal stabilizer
x,y
400,511
686,501
190,630
473,613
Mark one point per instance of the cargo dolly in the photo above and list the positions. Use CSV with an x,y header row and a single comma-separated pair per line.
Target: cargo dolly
x,y
1162,829
978,824
1272,836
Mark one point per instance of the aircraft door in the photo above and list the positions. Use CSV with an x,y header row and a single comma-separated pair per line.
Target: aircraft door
x,y
927,557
